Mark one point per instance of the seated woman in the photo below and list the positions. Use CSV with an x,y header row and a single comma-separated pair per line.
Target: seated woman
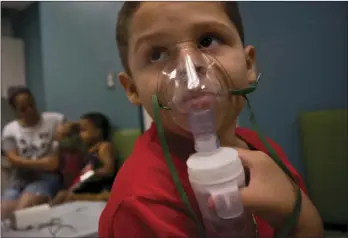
x,y
28,145
100,158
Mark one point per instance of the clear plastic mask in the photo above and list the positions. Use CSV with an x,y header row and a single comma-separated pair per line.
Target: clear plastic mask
x,y
190,82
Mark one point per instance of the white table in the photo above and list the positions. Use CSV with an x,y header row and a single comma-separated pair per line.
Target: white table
x,y
82,216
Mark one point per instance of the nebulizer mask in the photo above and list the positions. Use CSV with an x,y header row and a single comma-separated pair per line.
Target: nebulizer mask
x,y
191,88
195,90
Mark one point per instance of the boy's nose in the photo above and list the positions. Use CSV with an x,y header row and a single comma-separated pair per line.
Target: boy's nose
x,y
195,56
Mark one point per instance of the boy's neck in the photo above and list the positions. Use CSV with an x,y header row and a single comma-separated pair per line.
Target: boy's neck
x,y
228,138
183,147
180,146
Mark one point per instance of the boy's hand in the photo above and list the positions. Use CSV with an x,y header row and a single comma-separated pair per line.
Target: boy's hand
x,y
271,195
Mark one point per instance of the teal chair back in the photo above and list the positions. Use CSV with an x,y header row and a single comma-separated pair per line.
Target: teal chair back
x,y
123,141
325,153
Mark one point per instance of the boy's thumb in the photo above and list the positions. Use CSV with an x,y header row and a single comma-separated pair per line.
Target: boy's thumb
x,y
246,157
245,195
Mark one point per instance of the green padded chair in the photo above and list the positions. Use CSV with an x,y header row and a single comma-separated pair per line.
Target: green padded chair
x,y
123,141
325,153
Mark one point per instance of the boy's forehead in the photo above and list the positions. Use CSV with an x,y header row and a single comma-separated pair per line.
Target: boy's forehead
x,y
153,17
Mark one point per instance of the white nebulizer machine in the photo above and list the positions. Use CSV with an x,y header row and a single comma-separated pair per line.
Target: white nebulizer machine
x,y
193,92
216,174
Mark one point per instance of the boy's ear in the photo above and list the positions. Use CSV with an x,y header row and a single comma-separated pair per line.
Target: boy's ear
x,y
250,56
131,91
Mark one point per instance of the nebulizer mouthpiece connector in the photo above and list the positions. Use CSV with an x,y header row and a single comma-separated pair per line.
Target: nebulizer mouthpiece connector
x,y
192,90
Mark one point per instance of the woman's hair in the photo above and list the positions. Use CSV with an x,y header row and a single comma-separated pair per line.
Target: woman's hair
x,y
100,121
14,91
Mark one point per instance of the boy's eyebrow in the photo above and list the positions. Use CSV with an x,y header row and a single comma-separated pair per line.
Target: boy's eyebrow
x,y
148,36
151,34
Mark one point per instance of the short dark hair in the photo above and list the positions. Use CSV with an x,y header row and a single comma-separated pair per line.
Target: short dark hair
x,y
129,8
100,121
14,91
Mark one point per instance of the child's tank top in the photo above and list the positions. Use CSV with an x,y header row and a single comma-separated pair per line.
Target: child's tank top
x,y
95,185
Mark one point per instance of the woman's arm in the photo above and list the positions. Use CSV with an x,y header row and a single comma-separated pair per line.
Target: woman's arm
x,y
107,157
49,163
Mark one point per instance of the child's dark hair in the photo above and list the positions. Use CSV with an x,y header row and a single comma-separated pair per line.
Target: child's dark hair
x,y
100,121
14,91
129,8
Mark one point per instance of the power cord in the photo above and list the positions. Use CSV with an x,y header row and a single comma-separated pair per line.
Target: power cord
x,y
54,226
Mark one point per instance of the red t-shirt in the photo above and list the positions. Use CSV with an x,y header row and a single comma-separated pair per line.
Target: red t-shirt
x,y
144,201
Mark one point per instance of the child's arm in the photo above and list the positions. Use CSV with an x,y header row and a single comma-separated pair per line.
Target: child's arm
x,y
107,157
90,196
67,196
309,223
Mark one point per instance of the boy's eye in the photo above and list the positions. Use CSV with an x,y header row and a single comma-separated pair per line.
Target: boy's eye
x,y
208,41
158,54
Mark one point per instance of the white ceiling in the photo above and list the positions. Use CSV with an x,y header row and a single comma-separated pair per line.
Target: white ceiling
x,y
16,5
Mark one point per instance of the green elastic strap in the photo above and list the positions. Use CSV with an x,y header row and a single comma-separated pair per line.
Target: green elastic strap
x,y
290,221
169,161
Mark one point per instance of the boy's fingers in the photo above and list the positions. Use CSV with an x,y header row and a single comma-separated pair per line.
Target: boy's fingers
x,y
246,157
248,160
251,158
247,196
211,203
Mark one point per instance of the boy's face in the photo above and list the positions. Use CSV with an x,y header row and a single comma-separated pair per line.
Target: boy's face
x,y
88,132
157,26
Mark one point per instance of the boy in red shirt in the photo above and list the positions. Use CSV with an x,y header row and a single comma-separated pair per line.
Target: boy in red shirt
x,y
144,201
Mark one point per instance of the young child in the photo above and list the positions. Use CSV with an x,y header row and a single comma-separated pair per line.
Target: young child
x,y
71,152
94,131
144,201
